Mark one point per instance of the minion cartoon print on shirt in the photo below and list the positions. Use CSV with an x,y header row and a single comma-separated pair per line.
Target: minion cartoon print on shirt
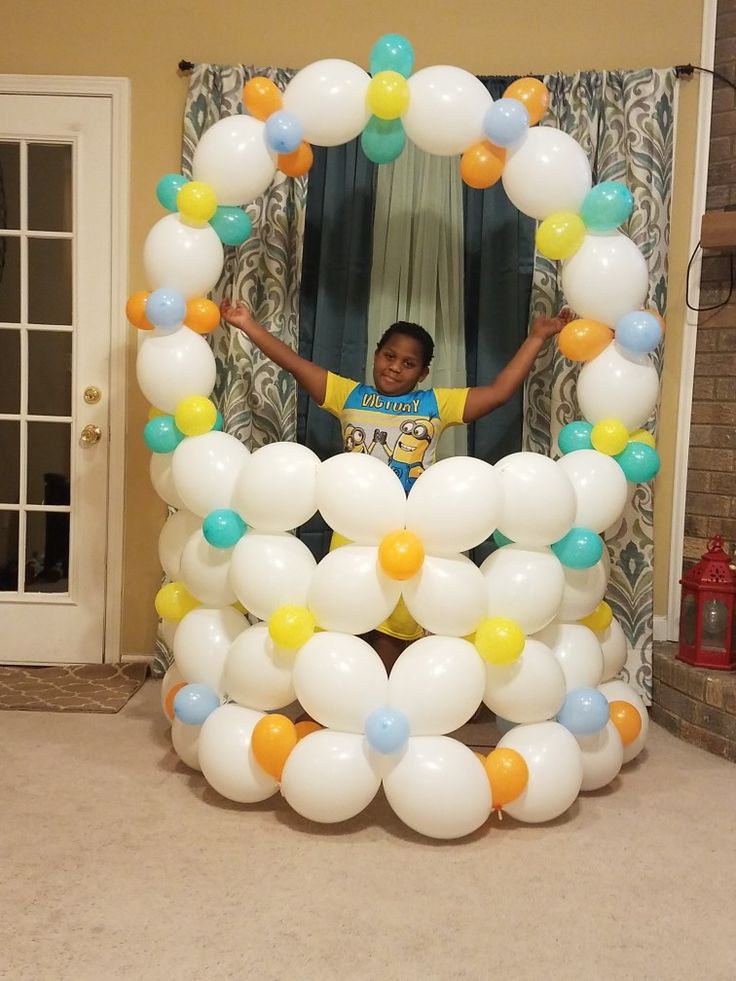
x,y
405,428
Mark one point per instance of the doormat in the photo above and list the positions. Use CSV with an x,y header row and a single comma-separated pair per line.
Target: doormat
x,y
102,688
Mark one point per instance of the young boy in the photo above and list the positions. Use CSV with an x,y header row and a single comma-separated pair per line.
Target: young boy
x,y
393,419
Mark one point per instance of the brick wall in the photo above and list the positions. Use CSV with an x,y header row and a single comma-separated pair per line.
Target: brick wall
x,y
711,485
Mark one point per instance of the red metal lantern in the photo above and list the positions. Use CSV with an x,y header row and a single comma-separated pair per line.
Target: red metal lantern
x,y
707,634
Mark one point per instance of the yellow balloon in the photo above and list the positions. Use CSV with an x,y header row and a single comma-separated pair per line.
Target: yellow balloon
x,y
195,415
600,619
196,202
291,626
174,601
388,95
642,436
401,554
560,235
499,641
609,436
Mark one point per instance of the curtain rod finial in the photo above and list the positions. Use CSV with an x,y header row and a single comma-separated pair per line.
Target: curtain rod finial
x,y
185,66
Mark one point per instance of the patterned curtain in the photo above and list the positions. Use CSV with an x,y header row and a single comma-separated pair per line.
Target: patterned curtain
x,y
624,120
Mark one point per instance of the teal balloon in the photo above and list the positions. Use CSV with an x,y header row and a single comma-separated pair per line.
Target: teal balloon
x,y
219,422
639,462
606,206
167,189
575,436
581,548
383,140
232,225
223,528
392,53
161,435
500,539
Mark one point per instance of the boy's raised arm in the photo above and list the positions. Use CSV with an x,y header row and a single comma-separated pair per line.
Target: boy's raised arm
x,y
483,399
311,377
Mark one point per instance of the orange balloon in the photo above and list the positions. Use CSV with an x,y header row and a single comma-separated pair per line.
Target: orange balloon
x,y
401,554
135,310
482,164
272,739
627,720
261,97
202,315
581,340
509,775
296,164
533,94
305,728
170,699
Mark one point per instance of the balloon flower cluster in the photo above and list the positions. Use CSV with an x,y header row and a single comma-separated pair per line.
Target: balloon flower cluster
x,y
257,624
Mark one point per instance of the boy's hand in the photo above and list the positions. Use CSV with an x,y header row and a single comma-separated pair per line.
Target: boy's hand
x,y
237,314
546,327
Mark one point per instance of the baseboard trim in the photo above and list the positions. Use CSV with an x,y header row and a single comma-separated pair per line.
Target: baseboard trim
x,y
137,659
660,628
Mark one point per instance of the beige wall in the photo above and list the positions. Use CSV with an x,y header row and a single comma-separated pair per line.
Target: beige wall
x,y
145,39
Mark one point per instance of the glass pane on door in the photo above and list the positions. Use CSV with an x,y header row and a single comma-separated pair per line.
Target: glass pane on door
x,y
50,281
10,361
9,185
9,280
49,450
47,552
50,187
49,373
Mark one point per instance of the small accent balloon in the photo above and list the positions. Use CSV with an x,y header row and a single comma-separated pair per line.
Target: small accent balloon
x,y
584,711
223,528
387,730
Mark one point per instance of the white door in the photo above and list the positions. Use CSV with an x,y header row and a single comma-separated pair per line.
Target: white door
x,y
56,160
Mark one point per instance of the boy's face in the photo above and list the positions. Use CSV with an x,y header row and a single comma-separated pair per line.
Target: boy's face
x,y
398,366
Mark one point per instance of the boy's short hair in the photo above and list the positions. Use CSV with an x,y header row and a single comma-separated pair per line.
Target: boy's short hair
x,y
410,330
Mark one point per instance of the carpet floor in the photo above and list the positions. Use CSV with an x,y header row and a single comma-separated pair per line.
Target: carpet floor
x,y
119,863
70,687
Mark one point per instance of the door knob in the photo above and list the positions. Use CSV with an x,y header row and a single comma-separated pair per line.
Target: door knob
x,y
91,435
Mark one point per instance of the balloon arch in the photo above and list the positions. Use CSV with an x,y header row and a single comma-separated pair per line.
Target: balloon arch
x,y
528,632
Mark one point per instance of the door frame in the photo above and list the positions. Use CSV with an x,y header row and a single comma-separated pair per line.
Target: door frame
x,y
117,91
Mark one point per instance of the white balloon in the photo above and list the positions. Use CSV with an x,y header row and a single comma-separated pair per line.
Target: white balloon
x,y
606,278
232,157
577,651
438,683
603,756
523,584
163,479
176,532
546,172
439,788
201,644
269,571
258,673
205,571
446,109
615,649
584,589
612,386
330,776
555,765
182,257
329,97
277,488
205,470
349,592
447,596
172,677
619,691
360,497
225,757
185,740
454,505
531,689
600,488
339,680
538,499
171,367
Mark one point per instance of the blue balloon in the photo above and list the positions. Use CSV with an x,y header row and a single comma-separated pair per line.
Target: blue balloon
x,y
606,206
579,549
575,436
584,711
193,703
387,730
223,528
504,725
506,121
383,140
500,539
232,225
639,462
219,422
167,189
392,53
161,434
284,132
639,332
166,307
